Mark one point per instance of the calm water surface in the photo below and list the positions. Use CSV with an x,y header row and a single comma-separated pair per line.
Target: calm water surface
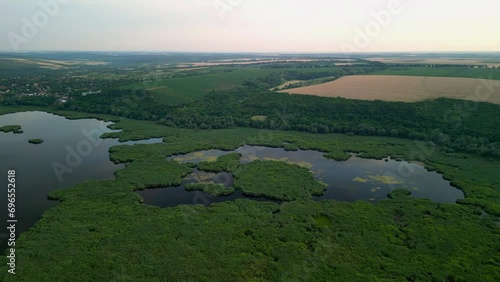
x,y
35,174
351,180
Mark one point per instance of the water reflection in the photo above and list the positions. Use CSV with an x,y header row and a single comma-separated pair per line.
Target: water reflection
x,y
34,164
351,180
174,196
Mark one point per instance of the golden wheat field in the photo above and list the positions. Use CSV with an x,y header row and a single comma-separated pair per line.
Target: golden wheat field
x,y
405,88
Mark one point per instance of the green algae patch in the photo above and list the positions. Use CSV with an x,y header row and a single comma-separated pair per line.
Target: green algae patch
x,y
384,179
361,180
288,161
378,179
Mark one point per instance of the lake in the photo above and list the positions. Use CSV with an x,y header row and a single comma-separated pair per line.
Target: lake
x,y
351,180
45,167
174,196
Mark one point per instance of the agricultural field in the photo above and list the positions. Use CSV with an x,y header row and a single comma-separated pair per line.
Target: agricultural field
x,y
176,91
49,64
437,61
404,88
442,71
246,61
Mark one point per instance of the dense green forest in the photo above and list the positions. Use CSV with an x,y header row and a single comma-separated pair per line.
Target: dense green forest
x,y
460,126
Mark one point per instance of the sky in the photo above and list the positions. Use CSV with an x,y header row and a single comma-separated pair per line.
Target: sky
x,y
262,26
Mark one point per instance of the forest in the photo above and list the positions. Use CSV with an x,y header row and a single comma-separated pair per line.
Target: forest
x,y
459,126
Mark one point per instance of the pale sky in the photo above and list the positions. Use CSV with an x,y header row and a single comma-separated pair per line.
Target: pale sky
x,y
250,25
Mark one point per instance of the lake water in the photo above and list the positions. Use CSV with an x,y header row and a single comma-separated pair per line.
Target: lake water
x,y
174,196
34,164
351,180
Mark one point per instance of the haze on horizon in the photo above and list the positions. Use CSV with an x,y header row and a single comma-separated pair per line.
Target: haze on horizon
x,y
250,25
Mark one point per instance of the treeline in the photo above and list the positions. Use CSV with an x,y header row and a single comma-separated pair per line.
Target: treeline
x,y
475,132
131,104
429,120
278,78
38,101
442,121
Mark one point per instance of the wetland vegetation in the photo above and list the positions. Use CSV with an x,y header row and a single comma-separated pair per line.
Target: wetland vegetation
x,y
35,141
16,129
398,237
347,180
277,180
211,189
297,229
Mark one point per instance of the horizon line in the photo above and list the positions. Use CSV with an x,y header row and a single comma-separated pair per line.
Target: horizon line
x,y
240,52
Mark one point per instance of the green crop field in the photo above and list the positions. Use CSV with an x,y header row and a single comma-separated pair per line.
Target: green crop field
x,y
176,91
442,72
9,65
